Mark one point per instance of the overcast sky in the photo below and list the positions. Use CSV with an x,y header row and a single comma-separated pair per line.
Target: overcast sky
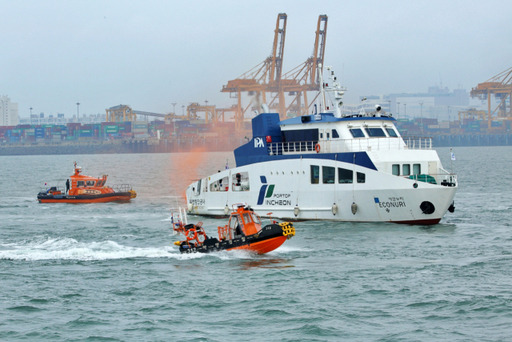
x,y
149,54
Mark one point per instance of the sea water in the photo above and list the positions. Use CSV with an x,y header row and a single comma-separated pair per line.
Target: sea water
x,y
109,272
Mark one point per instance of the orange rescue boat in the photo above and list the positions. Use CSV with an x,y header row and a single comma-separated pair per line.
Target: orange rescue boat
x,y
85,189
244,231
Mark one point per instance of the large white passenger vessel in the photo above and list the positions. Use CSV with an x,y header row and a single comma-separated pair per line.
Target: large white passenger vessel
x,y
331,166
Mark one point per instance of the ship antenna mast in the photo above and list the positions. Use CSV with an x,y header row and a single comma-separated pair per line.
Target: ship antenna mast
x,y
322,90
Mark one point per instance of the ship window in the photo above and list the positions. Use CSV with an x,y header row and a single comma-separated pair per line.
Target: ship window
x,y
375,132
315,174
301,135
416,169
241,181
219,185
392,132
357,132
80,184
396,169
98,183
321,135
328,174
345,176
233,222
255,218
335,134
406,169
90,183
361,177
246,217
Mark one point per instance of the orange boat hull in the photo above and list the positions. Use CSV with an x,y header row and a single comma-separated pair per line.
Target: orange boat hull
x,y
102,198
266,240
89,200
85,189
263,247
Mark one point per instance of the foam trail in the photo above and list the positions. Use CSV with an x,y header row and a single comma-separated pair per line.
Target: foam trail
x,y
71,249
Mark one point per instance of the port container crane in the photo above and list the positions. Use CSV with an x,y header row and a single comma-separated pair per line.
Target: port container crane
x,y
267,77
500,86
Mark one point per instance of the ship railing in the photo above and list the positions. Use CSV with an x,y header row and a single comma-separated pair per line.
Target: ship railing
x,y
349,145
121,187
418,143
291,147
444,178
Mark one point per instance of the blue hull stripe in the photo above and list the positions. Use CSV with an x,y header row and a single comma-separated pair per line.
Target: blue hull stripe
x,y
358,158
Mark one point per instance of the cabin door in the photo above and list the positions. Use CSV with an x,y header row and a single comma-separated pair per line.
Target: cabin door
x,y
432,168
324,137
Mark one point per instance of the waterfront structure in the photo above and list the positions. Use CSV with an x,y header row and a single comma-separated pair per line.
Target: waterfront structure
x,y
8,112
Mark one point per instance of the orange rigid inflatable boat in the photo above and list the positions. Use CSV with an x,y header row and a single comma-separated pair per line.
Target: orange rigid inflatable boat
x,y
85,189
244,231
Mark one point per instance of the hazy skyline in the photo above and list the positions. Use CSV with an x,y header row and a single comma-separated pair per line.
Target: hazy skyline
x,y
149,54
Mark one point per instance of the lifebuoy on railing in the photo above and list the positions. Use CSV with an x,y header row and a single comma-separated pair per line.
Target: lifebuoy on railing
x,y
317,148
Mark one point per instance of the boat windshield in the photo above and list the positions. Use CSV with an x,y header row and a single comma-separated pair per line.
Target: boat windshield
x,y
233,221
247,218
256,218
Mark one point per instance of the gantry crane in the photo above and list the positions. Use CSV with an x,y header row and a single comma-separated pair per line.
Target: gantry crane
x,y
305,77
121,113
264,77
267,78
210,112
501,87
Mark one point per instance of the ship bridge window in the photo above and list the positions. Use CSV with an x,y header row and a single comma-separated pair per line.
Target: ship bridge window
x,y
80,184
361,177
395,169
391,132
375,132
220,184
90,183
345,176
335,134
100,183
357,132
301,135
328,174
241,181
315,174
